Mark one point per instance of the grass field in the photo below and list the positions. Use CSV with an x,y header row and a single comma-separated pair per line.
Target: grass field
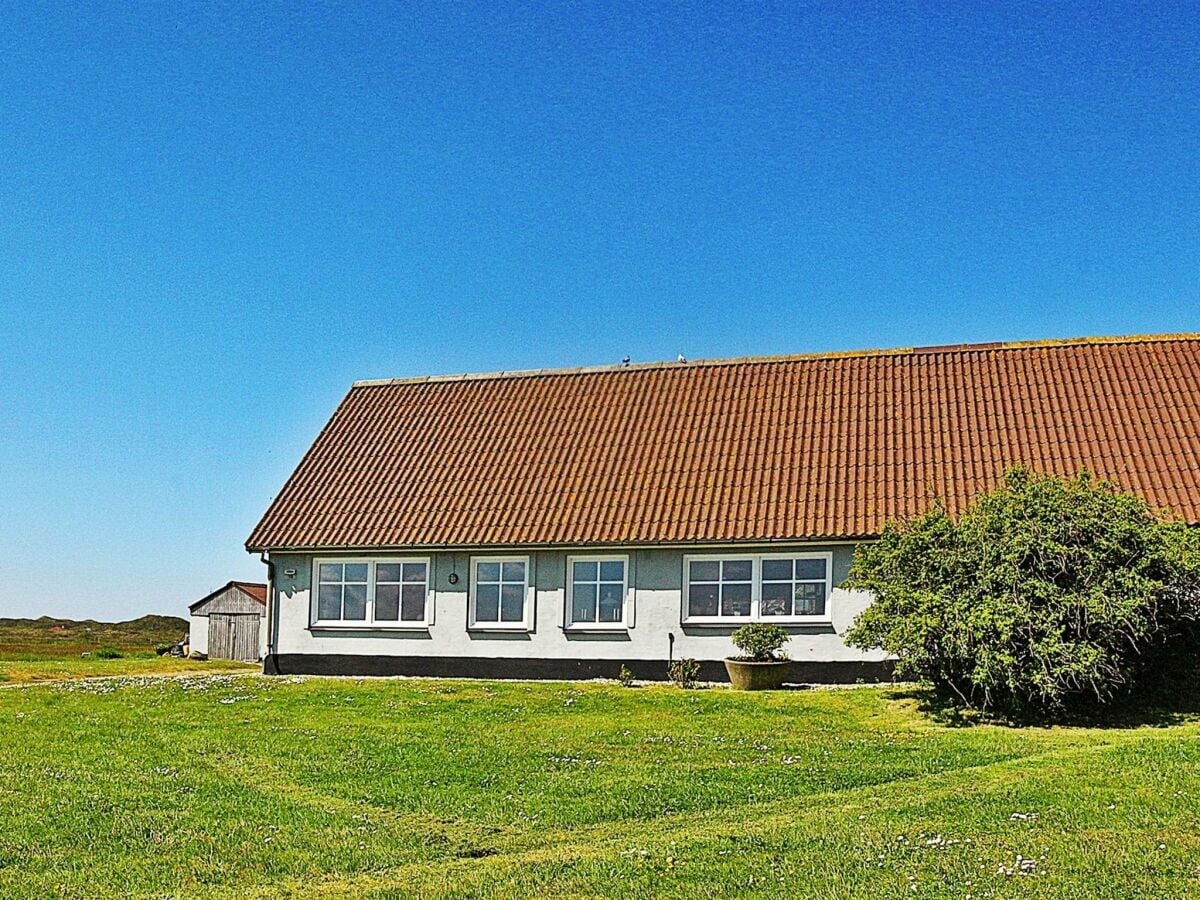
x,y
49,649
50,638
19,671
247,786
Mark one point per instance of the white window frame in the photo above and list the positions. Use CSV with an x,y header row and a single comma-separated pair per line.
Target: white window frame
x,y
756,615
526,623
626,621
369,623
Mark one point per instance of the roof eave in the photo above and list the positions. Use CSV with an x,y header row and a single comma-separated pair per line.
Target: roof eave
x,y
564,545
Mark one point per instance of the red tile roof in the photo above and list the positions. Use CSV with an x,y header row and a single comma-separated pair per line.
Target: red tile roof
x,y
803,447
257,591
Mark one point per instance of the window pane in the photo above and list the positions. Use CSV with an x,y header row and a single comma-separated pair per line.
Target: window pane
x,y
810,568
354,601
736,570
387,602
513,571
777,570
810,599
583,602
412,608
387,572
776,599
584,571
414,573
705,570
612,570
331,572
487,602
611,602
487,571
702,599
356,572
329,602
735,599
512,602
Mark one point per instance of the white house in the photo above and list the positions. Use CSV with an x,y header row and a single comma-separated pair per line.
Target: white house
x,y
562,523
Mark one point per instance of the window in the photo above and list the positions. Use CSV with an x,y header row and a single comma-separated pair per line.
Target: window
x,y
372,593
500,594
720,587
597,593
400,591
342,594
794,586
774,587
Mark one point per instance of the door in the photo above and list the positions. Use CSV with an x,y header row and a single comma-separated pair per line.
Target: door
x,y
233,636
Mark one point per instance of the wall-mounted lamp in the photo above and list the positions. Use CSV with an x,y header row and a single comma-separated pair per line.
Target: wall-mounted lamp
x,y
290,573
452,578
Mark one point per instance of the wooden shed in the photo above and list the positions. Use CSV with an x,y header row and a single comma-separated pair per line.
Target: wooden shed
x,y
229,622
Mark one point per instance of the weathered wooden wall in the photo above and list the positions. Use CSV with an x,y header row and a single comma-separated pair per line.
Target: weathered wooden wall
x,y
233,635
231,600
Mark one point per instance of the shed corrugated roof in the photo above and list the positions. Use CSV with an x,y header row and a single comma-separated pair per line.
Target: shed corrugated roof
x,y
782,448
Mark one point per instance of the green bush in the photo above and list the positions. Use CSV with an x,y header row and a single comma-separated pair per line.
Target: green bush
x,y
684,672
760,642
1045,592
108,653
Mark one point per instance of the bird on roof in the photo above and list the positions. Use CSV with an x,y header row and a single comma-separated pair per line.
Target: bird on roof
x,y
681,358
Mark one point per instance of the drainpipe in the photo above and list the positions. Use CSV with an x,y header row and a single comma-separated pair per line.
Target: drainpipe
x,y
670,647
271,616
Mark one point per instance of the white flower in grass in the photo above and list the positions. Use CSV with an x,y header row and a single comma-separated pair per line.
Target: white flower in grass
x,y
1020,867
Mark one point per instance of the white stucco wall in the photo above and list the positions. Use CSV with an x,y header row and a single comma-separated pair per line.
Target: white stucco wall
x,y
198,634
656,579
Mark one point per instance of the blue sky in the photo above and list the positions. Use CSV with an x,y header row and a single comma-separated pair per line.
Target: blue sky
x,y
213,218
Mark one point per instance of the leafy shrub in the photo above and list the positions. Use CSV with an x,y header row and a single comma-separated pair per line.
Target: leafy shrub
x,y
1044,591
625,676
108,653
684,672
760,642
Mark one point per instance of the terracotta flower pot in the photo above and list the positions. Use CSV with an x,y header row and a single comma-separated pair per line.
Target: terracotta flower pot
x,y
756,676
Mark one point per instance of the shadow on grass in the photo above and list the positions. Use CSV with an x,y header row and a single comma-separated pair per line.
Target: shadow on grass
x,y
1160,706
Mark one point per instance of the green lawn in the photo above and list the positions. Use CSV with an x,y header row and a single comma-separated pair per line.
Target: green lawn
x,y
247,786
48,649
18,671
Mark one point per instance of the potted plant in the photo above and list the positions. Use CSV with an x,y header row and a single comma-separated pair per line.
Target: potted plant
x,y
762,665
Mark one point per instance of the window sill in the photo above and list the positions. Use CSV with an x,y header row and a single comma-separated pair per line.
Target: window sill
x,y
368,626
772,620
520,628
592,628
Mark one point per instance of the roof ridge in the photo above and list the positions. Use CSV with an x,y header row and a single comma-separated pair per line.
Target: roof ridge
x,y
1049,343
